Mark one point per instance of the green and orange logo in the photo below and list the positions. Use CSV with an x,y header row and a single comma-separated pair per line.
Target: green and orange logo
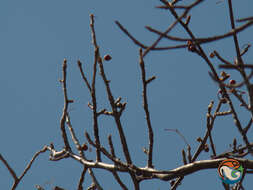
x,y
230,171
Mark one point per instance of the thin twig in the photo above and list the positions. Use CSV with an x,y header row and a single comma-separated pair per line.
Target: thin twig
x,y
240,62
248,125
146,109
12,172
231,14
184,157
117,178
73,135
93,89
129,35
204,39
178,19
17,180
94,179
106,153
81,180
180,134
221,59
209,127
237,85
240,98
245,49
177,183
115,113
244,19
119,165
145,46
66,104
111,146
82,74
114,173
201,146
162,36
248,66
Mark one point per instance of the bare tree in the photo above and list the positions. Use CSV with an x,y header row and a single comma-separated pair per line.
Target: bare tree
x,y
138,174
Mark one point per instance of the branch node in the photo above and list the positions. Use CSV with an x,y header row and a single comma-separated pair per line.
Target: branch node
x,y
150,79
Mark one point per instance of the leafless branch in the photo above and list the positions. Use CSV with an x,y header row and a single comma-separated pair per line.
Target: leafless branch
x,y
244,19
114,173
180,134
145,106
129,35
94,179
93,90
115,112
205,39
73,135
83,76
209,127
81,180
116,176
111,145
66,104
116,165
18,179
12,172
221,59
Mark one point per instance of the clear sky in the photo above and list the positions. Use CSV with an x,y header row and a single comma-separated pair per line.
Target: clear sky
x,y
37,35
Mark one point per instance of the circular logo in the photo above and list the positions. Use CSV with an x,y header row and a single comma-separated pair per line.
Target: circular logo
x,y
230,171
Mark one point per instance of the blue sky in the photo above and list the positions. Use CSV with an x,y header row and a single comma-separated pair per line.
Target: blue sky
x,y
35,38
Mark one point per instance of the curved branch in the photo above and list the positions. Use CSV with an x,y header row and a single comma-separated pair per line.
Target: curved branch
x,y
203,40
